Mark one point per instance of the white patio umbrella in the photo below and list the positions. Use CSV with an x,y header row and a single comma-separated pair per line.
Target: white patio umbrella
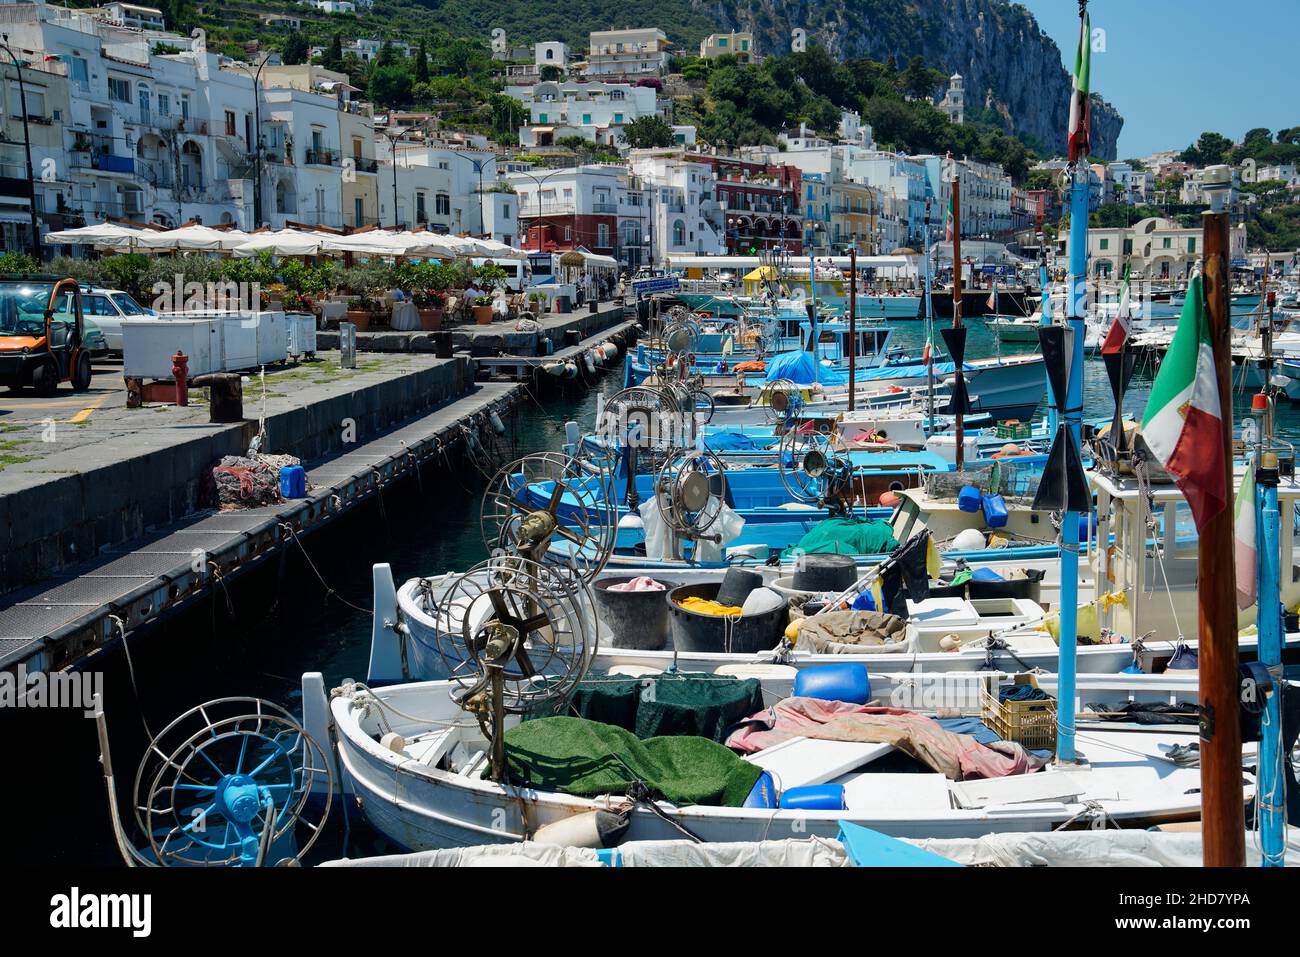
x,y
97,234
377,243
499,250
195,238
283,242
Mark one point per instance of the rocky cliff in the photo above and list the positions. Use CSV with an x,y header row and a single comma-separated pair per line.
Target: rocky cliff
x,y
1009,64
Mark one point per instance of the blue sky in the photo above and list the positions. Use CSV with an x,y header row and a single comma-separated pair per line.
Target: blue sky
x,y
1175,68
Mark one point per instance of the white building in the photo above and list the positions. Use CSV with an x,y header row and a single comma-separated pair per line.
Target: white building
x,y
627,53
953,102
595,206
132,15
683,213
366,49
595,111
1287,173
439,187
551,53
1154,248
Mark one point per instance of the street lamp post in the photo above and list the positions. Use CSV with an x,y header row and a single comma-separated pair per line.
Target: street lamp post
x,y
257,142
392,145
27,145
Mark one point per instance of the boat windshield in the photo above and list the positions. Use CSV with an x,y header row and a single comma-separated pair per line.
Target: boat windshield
x,y
22,307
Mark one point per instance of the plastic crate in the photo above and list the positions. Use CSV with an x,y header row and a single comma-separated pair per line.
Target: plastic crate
x,y
1014,430
1030,723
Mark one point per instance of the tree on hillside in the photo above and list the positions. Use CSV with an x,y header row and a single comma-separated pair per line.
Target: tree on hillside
x,y
1209,149
387,55
421,64
334,53
648,132
296,49
918,79
390,86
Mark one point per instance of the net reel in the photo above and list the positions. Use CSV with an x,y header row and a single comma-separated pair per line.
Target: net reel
x,y
517,637
644,424
784,404
816,469
552,509
691,487
228,783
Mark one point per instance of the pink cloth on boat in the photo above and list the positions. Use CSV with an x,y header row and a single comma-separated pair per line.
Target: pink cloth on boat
x,y
957,756
643,583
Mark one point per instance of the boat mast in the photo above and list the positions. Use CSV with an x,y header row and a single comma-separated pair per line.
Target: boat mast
x,y
929,324
853,325
960,426
1045,311
1222,810
1270,785
1072,409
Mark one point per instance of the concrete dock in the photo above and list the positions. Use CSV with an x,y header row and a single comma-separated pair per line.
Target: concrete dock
x,y
107,523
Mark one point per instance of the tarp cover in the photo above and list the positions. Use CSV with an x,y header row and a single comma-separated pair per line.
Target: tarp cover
x,y
956,756
845,536
799,367
666,704
588,758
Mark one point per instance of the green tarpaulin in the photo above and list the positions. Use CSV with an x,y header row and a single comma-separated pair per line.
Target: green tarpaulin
x,y
587,758
668,704
846,536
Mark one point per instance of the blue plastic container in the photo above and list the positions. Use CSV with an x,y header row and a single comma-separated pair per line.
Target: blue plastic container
x,y
293,481
846,682
763,794
995,510
968,499
814,797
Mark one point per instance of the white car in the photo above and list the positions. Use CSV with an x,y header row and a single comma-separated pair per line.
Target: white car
x,y
107,308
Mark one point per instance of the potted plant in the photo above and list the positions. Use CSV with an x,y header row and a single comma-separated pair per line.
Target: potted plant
x,y
536,303
360,310
430,303
483,310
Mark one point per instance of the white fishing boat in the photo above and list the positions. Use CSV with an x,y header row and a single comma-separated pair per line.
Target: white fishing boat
x,y
416,761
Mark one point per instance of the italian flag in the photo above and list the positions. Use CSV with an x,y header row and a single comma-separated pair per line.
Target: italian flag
x,y
1078,140
1243,538
1181,424
1122,326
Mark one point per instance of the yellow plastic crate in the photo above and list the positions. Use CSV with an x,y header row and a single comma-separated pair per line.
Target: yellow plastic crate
x,y
1030,723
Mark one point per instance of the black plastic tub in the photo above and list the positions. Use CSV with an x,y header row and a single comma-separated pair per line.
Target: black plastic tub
x,y
636,619
1029,587
715,634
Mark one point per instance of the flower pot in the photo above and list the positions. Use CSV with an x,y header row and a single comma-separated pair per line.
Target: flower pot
x,y
483,315
430,319
359,318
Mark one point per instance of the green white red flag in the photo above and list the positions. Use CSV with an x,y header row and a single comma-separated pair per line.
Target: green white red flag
x,y
1078,145
1119,330
1182,424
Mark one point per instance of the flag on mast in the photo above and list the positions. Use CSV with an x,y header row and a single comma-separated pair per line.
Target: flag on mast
x,y
1123,324
1078,139
992,301
1243,539
1181,424
947,222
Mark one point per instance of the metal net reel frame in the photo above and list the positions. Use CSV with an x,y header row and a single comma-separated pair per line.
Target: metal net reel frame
x,y
650,408
688,507
784,404
555,635
820,470
581,510
189,757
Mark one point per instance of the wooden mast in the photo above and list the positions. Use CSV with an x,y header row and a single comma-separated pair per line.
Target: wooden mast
x,y
853,324
1222,812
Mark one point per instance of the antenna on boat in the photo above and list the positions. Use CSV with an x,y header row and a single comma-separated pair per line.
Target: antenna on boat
x,y
227,784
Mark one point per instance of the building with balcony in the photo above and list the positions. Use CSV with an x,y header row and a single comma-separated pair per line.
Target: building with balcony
x,y
682,213
1154,248
627,53
595,111
562,209
132,15
761,203
47,101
